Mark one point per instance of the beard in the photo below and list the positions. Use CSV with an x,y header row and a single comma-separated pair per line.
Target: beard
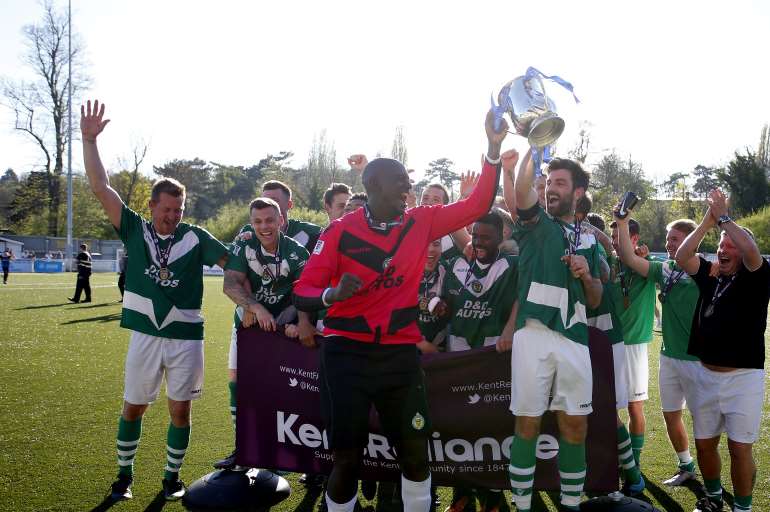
x,y
561,208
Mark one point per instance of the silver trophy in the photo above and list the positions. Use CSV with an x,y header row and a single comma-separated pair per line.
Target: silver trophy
x,y
532,111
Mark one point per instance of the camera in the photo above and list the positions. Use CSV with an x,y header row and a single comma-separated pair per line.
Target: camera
x,y
627,204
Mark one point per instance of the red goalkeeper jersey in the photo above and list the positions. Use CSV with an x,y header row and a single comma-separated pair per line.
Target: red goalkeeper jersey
x,y
389,259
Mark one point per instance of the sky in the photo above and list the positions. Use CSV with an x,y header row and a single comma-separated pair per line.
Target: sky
x,y
672,84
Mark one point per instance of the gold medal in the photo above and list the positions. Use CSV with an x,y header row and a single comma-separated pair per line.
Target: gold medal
x,y
164,274
662,297
626,302
423,304
709,311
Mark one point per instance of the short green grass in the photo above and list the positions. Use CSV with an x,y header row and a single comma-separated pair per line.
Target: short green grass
x,y
61,384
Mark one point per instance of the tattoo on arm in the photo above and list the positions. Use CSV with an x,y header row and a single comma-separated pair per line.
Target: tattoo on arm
x,y
234,288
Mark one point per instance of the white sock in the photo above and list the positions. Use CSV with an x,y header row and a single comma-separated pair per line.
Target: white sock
x,y
415,495
343,507
684,457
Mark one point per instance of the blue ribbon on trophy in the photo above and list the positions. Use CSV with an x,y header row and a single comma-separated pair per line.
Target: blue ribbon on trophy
x,y
532,111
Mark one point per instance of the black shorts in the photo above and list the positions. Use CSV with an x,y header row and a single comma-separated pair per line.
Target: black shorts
x,y
355,375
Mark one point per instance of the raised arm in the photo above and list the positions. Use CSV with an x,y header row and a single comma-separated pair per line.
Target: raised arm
x,y
685,255
752,259
526,195
92,123
627,254
509,160
457,215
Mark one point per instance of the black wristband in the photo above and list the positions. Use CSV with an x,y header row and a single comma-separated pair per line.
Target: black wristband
x,y
529,213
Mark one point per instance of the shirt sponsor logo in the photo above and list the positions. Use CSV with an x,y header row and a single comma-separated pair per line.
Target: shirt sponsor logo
x,y
153,273
475,309
319,246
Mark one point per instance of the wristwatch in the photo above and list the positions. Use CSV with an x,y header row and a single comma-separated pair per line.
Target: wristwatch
x,y
722,219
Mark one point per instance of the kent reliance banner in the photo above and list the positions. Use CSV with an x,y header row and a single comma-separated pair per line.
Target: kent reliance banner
x,y
279,422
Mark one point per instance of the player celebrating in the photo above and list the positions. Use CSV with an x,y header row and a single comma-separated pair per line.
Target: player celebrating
x,y
303,232
728,336
366,270
161,308
678,371
259,276
634,298
479,293
558,280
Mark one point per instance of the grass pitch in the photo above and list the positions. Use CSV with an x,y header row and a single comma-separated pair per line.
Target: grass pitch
x,y
61,383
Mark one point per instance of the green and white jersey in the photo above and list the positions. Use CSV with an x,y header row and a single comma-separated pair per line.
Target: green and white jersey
x,y
638,317
431,286
168,307
548,292
303,232
678,307
449,250
271,282
605,317
480,299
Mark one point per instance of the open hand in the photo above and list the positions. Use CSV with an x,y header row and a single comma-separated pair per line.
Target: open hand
x,y
717,202
468,181
91,120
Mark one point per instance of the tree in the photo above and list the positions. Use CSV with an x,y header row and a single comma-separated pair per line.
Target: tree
x,y
706,179
747,182
9,183
763,150
441,170
676,188
399,151
40,106
138,154
612,177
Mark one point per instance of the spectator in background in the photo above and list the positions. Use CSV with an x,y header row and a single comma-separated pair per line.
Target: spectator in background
x,y
355,202
6,258
728,336
335,199
122,265
84,275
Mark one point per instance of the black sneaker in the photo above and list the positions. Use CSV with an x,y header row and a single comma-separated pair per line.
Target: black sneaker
x,y
173,489
313,481
72,300
84,301
226,463
707,504
121,488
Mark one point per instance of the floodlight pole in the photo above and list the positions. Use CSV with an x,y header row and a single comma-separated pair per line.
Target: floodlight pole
x,y
69,137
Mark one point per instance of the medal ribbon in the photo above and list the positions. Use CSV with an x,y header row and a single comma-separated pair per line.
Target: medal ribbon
x,y
163,256
276,260
718,293
672,279
571,246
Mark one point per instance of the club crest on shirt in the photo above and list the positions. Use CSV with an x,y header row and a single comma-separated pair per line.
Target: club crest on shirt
x,y
418,422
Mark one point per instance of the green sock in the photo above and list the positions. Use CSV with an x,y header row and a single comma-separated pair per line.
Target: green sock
x,y
637,443
742,503
129,433
626,459
233,402
572,472
713,488
176,446
522,471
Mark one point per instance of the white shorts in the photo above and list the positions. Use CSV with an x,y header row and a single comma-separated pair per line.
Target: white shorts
x,y
232,360
728,402
621,375
149,357
638,372
543,363
677,380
